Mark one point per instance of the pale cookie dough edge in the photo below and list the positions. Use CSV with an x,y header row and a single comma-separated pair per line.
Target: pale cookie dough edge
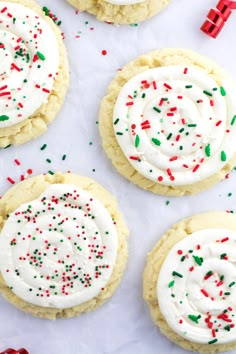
x,y
120,14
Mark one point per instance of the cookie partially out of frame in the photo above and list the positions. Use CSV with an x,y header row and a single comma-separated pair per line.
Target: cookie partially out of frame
x,y
121,11
63,245
189,283
33,79
168,122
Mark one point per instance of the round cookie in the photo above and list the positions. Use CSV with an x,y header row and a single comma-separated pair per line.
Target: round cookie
x,y
168,122
189,283
34,71
63,245
121,11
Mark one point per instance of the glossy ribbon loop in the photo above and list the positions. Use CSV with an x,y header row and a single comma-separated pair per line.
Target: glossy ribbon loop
x,y
216,18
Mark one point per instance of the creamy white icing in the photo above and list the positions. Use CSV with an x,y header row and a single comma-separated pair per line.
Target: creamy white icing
x,y
196,287
124,2
29,58
175,124
58,250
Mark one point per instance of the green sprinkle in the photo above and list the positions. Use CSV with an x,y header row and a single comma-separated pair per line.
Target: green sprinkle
x,y
156,141
119,133
223,255
222,277
43,147
174,273
46,11
222,91
116,121
233,120
169,136
143,95
223,156
227,328
232,284
51,172
137,141
208,150
63,157
192,125
171,284
198,260
194,318
207,93
213,341
49,161
3,118
188,86
157,109
227,293
181,130
183,258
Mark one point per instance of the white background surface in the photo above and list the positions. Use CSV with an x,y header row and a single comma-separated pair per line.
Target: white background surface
x,y
123,325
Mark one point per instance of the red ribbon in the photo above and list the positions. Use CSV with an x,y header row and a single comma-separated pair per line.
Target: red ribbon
x,y
13,351
216,18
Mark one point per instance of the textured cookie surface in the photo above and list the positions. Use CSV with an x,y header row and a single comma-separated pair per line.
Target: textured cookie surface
x,y
122,14
36,70
182,146
55,284
211,313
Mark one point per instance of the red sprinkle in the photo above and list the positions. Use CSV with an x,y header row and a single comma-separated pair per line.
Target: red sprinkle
x,y
204,292
167,86
11,180
196,168
17,162
225,239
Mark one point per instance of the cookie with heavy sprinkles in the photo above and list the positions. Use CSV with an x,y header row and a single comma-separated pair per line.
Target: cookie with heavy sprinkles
x,y
189,283
63,245
34,72
168,122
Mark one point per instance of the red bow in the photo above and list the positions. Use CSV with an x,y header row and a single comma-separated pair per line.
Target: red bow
x,y
216,18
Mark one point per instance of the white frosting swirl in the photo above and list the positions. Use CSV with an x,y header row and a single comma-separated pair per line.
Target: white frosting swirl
x,y
124,2
29,58
196,287
175,124
58,250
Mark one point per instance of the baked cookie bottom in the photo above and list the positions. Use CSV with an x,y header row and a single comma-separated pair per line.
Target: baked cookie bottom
x,y
120,14
155,260
163,57
36,124
30,189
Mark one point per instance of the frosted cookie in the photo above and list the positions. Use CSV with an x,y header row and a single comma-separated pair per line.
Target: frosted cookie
x,y
121,11
33,72
190,283
63,246
168,122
